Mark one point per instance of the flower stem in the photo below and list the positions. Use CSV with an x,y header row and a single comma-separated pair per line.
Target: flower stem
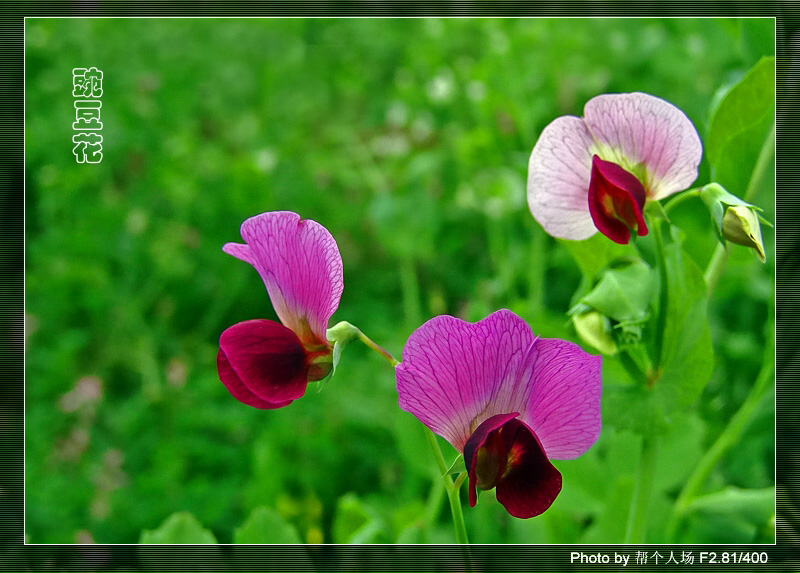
x,y
730,435
368,341
691,193
715,267
344,332
452,491
636,530
434,503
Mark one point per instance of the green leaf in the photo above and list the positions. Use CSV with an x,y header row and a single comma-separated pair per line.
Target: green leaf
x,y
633,408
181,527
265,525
740,124
687,356
754,505
178,528
595,253
623,294
687,353
732,515
355,523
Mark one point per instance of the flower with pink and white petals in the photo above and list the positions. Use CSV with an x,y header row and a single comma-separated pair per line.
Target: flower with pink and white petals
x,y
596,173
506,399
267,364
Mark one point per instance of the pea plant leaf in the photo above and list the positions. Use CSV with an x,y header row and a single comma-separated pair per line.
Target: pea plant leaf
x,y
687,354
265,525
623,294
181,527
687,357
739,126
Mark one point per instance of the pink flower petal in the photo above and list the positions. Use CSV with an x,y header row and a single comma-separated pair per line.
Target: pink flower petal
x,y
564,405
264,359
299,262
455,374
558,179
642,129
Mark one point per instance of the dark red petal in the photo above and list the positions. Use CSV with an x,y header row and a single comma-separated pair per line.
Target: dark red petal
x,y
616,200
237,388
527,483
267,358
474,443
531,483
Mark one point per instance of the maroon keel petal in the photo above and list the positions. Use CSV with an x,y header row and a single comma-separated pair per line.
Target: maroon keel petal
x,y
476,450
267,358
616,199
531,483
237,388
503,452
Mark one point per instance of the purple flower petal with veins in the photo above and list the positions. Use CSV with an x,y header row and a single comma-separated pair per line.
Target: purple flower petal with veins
x,y
541,395
261,362
646,138
300,264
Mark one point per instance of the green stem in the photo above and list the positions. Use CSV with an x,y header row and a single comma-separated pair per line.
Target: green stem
x,y
720,256
690,194
663,294
715,267
366,340
343,332
730,436
452,492
434,502
636,530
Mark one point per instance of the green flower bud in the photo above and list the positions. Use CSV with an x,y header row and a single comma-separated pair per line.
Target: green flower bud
x,y
735,220
595,329
740,225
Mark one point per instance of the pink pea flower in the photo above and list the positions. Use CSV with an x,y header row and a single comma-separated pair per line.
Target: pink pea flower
x,y
508,400
266,364
596,173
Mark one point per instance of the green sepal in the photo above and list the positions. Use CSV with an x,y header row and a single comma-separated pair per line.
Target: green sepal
x,y
340,335
655,210
452,469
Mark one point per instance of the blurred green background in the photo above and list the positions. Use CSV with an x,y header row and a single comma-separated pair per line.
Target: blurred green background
x,y
409,140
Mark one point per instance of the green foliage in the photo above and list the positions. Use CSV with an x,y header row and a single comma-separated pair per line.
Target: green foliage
x,y
180,527
265,525
410,143
687,356
739,126
733,515
355,523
